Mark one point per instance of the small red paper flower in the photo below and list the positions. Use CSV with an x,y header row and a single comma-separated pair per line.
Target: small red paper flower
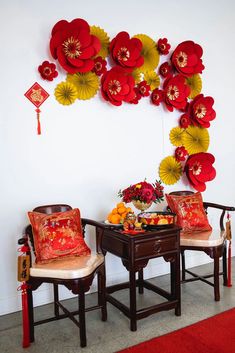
x,y
157,96
176,92
100,66
201,111
185,121
186,58
181,154
144,89
73,45
117,86
163,46
47,71
126,51
199,170
137,97
165,69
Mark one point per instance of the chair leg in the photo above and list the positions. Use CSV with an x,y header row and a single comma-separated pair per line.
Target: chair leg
x,y
225,275
31,315
182,265
101,276
216,279
56,299
82,320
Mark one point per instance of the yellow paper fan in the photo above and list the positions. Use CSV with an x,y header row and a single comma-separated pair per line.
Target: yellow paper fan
x,y
104,40
170,170
196,139
195,84
87,84
65,93
137,75
176,136
149,52
152,79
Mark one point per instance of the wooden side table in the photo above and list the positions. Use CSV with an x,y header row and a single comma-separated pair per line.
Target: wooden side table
x,y
135,251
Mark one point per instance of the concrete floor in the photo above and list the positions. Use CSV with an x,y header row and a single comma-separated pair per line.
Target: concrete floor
x,y
109,337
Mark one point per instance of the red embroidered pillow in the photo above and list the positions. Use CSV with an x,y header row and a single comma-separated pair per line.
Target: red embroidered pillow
x,y
57,235
190,212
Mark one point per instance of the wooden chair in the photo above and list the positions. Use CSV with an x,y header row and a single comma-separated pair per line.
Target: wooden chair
x,y
213,243
78,278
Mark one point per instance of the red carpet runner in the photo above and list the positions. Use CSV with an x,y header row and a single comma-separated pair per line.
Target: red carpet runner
x,y
213,335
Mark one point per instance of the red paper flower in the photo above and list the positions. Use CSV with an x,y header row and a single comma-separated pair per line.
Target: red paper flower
x,y
47,71
199,170
185,121
144,89
100,66
163,46
181,154
176,92
137,97
201,111
117,86
186,58
165,69
73,45
157,96
126,51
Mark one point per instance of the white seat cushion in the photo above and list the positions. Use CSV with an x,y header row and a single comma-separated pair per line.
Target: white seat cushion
x,y
69,268
205,238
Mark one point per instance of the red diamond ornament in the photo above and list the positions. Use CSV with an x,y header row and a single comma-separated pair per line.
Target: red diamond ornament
x,y
37,95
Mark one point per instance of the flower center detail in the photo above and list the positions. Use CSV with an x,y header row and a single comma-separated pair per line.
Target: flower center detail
x,y
200,111
123,54
173,92
98,66
47,71
196,168
114,87
182,59
72,48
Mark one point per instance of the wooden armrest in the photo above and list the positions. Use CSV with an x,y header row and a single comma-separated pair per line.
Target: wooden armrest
x,y
223,208
99,228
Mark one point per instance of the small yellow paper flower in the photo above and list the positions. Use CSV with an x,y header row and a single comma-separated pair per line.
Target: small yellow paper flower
x,y
196,139
149,52
87,84
65,93
152,79
104,40
195,84
176,136
137,75
170,170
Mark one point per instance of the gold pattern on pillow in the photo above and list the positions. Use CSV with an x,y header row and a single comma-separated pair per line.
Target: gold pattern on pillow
x,y
57,235
190,212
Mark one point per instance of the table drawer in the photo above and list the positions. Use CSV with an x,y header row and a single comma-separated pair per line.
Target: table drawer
x,y
155,247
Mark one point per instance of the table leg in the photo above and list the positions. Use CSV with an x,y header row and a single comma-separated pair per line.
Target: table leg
x,y
141,278
132,281
175,283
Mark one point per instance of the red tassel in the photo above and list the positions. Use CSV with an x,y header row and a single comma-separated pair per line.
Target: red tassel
x,y
25,315
229,265
38,119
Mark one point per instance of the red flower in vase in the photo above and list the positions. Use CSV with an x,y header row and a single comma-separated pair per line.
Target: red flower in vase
x,y
126,51
199,170
73,45
143,192
47,71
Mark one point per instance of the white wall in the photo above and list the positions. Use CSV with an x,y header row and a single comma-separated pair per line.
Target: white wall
x,y
89,150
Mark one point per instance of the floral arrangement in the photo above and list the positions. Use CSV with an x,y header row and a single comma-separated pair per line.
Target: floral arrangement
x,y
143,192
128,69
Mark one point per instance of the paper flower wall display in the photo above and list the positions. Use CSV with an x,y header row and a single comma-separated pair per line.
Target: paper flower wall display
x,y
128,69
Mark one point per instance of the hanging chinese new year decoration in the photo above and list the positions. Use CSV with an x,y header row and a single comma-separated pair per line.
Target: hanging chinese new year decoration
x,y
37,95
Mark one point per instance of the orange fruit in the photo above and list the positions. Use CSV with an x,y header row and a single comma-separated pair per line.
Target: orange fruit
x,y
121,209
115,218
120,204
128,209
109,217
114,211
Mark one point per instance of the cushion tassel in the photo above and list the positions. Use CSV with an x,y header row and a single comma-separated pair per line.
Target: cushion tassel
x,y
25,315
